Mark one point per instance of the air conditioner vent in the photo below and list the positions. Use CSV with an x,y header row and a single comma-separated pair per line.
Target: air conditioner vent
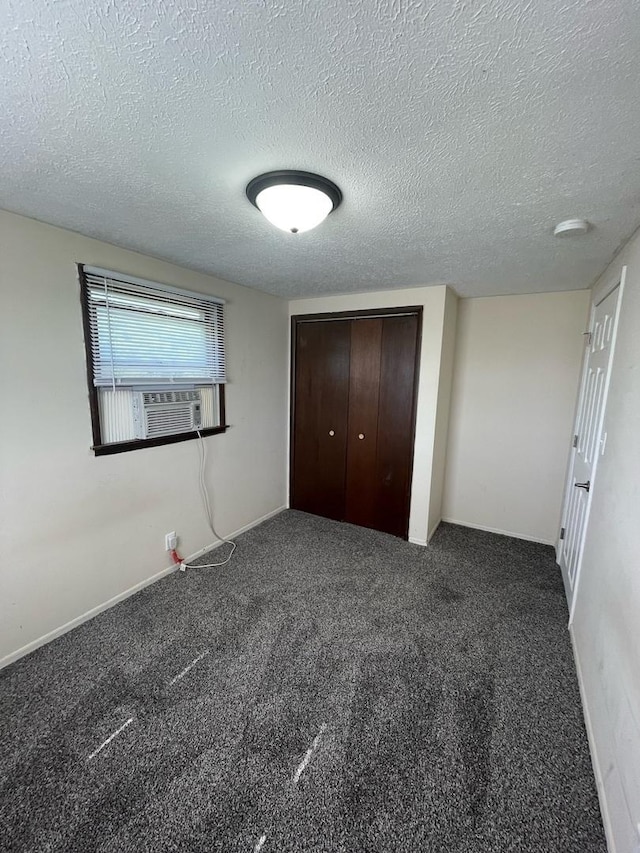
x,y
151,398
158,413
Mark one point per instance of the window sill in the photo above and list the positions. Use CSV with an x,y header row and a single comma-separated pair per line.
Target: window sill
x,y
138,444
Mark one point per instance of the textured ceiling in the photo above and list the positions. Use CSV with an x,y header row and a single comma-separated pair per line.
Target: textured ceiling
x,y
460,131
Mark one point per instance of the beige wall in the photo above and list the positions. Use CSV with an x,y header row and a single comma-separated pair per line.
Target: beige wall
x,y
443,405
438,314
516,374
78,530
606,624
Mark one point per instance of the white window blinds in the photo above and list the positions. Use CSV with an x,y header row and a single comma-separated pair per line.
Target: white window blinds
x,y
144,333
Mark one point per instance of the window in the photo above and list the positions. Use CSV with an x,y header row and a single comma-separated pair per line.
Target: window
x,y
155,361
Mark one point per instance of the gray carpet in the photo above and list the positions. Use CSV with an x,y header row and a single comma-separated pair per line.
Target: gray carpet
x,y
333,689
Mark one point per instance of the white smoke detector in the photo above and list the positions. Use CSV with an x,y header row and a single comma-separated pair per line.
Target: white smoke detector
x,y
571,228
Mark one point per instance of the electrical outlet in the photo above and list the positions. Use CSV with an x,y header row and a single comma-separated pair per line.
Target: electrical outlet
x,y
171,541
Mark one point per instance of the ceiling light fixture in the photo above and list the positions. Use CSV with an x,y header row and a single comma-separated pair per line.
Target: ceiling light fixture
x,y
571,228
294,201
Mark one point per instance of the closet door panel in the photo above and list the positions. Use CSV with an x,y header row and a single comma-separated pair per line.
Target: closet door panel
x,y
366,340
320,409
396,420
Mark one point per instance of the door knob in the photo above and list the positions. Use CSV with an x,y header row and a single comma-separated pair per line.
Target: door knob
x,y
360,435
586,486
331,432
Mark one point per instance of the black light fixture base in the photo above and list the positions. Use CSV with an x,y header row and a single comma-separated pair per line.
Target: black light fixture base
x,y
293,176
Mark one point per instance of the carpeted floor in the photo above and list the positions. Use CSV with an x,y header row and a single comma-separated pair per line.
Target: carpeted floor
x,y
333,689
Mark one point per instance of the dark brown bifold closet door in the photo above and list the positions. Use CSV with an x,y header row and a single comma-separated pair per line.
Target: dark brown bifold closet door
x,y
361,490
353,419
396,423
381,423
321,398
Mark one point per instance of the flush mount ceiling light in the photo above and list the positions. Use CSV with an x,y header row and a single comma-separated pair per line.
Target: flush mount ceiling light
x,y
571,228
294,201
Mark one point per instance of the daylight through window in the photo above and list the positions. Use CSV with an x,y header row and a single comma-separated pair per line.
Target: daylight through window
x,y
155,360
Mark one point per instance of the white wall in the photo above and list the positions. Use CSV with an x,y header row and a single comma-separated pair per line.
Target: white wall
x,y
443,406
606,625
438,311
78,530
516,374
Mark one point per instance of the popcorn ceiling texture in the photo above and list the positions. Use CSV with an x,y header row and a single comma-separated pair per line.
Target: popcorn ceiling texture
x,y
459,132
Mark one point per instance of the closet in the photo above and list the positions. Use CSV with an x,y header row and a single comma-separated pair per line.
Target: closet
x,y
354,379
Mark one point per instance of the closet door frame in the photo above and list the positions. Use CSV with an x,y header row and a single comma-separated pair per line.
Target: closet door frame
x,y
299,319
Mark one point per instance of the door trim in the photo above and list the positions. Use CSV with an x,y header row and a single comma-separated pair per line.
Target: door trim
x,y
365,313
360,314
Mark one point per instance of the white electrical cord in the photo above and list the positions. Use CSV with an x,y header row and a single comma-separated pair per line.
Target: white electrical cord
x,y
207,508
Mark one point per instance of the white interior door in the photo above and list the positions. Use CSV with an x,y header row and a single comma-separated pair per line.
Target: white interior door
x,y
589,439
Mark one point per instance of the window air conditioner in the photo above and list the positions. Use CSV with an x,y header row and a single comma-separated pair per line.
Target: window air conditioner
x,y
157,413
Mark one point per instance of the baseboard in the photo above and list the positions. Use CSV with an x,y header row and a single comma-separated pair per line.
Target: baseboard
x,y
100,608
433,530
74,623
416,540
235,533
595,762
501,532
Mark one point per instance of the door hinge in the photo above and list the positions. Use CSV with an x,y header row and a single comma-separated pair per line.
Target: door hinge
x,y
562,532
575,440
588,336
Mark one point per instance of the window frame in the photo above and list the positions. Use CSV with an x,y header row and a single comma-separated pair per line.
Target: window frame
x,y
109,449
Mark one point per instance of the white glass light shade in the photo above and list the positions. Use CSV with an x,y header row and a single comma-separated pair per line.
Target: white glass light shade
x,y
293,207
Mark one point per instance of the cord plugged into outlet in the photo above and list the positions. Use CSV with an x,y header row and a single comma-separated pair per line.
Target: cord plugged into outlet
x,y
171,539
171,545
